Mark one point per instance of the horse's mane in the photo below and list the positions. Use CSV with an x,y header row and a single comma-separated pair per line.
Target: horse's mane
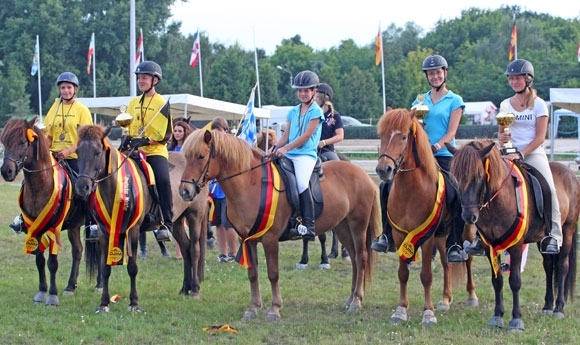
x,y
16,128
91,132
233,150
272,137
473,167
401,120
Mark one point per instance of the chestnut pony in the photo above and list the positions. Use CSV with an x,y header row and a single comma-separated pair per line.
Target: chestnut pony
x,y
44,202
259,210
417,209
496,196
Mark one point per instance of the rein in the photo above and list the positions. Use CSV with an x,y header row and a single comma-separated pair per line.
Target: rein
x,y
20,162
401,159
96,180
205,172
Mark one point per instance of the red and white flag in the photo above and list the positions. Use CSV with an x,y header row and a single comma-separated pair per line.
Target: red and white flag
x,y
91,53
578,51
195,51
139,54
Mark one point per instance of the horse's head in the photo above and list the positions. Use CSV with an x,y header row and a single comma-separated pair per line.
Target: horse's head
x,y
264,134
92,150
473,166
404,144
22,142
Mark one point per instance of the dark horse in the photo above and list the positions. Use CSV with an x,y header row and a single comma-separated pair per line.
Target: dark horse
x,y
497,196
46,203
259,209
261,141
417,209
120,200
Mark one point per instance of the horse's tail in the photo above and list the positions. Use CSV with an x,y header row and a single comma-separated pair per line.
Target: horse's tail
x,y
92,258
570,285
373,230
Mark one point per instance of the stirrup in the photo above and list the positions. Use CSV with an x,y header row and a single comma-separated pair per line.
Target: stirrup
x,y
549,246
162,234
456,254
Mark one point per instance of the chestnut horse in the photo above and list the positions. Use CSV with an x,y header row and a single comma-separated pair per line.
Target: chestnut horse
x,y
417,209
46,203
497,196
259,210
120,199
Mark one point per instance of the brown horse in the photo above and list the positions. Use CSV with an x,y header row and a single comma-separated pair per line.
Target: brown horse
x,y
497,196
46,203
120,200
417,209
351,209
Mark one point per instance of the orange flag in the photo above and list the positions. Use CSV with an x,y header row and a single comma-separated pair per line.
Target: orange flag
x,y
379,48
514,43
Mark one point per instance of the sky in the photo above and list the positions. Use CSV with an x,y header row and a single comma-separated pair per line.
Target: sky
x,y
323,24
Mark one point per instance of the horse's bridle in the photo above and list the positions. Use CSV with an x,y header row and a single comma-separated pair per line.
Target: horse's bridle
x,y
20,162
401,159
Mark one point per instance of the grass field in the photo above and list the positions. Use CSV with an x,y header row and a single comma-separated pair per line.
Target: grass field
x,y
313,312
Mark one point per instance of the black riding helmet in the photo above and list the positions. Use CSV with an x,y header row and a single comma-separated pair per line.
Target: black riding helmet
x,y
434,62
149,67
305,80
521,67
68,77
325,89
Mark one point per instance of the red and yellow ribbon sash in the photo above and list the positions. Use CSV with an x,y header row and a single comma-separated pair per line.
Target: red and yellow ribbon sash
x,y
44,230
518,228
128,206
269,197
416,237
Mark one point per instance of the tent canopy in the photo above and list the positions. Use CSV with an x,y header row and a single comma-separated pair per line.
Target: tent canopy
x,y
182,105
566,98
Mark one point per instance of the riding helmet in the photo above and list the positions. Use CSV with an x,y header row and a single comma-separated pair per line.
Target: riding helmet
x,y
520,67
149,67
325,89
305,80
433,62
68,77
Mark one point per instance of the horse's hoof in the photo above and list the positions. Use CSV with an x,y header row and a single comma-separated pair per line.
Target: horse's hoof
x,y
99,290
324,266
135,309
249,316
516,325
301,266
333,255
354,307
102,309
400,315
40,297
495,321
68,293
428,318
52,300
472,302
442,306
559,315
272,317
547,312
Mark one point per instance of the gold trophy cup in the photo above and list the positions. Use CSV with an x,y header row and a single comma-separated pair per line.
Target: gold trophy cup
x,y
505,119
123,119
420,109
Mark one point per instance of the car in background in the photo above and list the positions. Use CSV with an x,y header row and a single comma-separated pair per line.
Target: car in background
x,y
348,121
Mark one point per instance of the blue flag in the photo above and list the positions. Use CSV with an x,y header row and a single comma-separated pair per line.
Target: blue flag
x,y
248,127
35,59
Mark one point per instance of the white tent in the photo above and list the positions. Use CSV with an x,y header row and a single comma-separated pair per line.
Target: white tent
x,y
480,113
568,99
186,105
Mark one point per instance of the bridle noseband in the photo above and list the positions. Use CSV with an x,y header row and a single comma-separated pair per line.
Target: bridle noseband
x,y
202,181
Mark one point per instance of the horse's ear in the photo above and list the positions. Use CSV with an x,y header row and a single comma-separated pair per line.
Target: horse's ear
x,y
32,121
484,151
450,148
107,131
207,136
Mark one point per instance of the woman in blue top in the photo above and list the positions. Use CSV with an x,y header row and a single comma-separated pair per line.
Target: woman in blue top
x,y
300,144
441,123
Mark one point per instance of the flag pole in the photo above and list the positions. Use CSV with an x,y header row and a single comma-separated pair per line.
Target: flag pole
x,y
94,76
200,76
257,70
38,80
133,80
516,41
382,68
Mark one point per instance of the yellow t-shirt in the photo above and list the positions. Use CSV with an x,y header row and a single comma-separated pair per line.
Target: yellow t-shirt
x,y
155,124
62,122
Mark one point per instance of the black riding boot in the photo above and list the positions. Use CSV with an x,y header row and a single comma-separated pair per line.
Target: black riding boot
x,y
306,229
384,243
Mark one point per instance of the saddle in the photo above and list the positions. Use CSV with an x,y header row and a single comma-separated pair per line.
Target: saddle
x,y
286,169
540,191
